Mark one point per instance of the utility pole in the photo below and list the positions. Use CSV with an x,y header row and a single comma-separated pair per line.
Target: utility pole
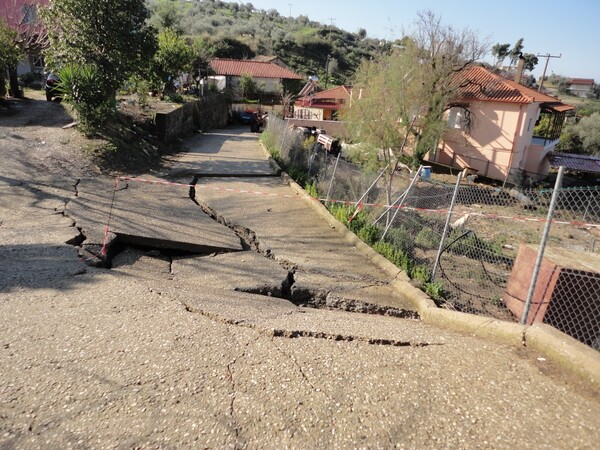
x,y
327,69
290,5
547,56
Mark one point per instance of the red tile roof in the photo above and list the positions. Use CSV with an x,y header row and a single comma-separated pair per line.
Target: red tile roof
x,y
478,83
329,99
584,81
257,69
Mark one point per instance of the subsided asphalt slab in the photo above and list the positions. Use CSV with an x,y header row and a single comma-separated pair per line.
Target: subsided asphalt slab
x,y
147,214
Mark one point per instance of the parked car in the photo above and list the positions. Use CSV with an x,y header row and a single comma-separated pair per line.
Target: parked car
x,y
52,81
246,116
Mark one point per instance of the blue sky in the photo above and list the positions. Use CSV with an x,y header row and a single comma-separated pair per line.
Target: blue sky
x,y
567,28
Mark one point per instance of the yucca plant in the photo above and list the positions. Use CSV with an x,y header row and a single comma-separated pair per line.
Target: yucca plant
x,y
82,86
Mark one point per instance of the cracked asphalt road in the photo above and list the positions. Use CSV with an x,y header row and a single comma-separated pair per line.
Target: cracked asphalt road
x,y
171,350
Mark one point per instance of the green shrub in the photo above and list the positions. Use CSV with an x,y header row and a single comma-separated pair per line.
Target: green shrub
x,y
370,233
400,237
341,212
427,239
435,290
175,97
421,273
311,189
394,255
269,140
94,103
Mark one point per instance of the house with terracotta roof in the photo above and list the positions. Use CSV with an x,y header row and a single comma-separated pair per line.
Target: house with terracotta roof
x,y
322,105
491,128
270,77
581,87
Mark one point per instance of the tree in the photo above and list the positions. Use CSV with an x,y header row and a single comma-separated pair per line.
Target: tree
x,y
500,52
248,86
167,14
105,41
405,93
173,57
588,130
530,61
10,53
110,35
516,51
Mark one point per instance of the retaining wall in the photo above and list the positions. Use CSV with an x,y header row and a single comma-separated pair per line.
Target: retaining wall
x,y
202,114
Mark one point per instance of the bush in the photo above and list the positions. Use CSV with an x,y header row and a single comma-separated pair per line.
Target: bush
x,y
311,189
94,104
394,255
421,273
370,233
427,239
401,238
435,290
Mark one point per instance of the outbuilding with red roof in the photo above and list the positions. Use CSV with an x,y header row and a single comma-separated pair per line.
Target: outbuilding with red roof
x,y
271,78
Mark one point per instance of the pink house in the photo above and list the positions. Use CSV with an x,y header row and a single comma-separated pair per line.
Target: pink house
x,y
22,16
491,128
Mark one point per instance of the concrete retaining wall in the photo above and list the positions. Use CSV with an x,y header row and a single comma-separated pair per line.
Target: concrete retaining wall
x,y
202,114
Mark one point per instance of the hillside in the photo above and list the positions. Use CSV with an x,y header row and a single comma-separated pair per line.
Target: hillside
x,y
234,30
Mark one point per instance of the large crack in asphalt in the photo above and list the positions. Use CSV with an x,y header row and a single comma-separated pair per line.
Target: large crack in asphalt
x,y
297,334
288,289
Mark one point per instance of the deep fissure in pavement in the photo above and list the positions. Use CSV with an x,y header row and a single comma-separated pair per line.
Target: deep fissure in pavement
x,y
288,289
168,254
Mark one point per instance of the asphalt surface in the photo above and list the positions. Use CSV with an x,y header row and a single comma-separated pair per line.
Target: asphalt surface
x,y
197,349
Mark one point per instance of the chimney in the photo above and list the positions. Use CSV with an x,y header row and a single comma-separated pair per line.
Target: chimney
x,y
520,66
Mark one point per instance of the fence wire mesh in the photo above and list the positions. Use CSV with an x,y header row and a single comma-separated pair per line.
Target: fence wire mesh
x,y
482,267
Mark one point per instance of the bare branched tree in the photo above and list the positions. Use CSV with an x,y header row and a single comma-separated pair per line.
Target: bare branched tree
x,y
31,35
400,99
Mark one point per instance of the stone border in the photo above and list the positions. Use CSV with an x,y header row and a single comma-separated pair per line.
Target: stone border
x,y
567,352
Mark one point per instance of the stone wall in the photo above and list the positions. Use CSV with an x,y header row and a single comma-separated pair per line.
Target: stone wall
x,y
203,114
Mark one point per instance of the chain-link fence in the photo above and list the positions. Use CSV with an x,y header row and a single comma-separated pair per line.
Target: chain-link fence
x,y
475,247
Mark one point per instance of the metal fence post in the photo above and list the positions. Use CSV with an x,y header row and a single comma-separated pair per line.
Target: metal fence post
x,y
400,201
371,187
538,261
283,137
446,226
337,161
